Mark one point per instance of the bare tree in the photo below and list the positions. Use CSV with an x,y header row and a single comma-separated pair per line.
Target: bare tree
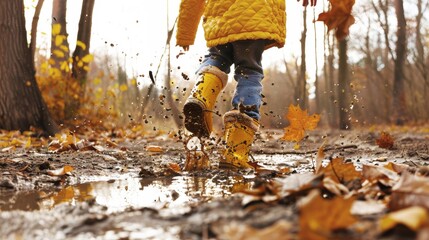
x,y
80,68
34,24
343,84
301,92
399,102
21,104
80,65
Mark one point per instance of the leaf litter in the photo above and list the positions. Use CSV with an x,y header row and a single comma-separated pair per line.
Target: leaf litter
x,y
334,197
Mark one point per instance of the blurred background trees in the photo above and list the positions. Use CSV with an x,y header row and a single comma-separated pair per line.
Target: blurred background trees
x,y
376,75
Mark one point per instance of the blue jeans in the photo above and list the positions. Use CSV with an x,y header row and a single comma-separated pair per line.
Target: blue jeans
x,y
246,55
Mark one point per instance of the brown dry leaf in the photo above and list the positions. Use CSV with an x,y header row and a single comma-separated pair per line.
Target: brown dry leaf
x,y
196,161
60,171
376,173
398,168
385,140
335,187
319,216
175,167
339,17
154,149
319,158
413,217
411,190
238,231
341,171
299,183
300,122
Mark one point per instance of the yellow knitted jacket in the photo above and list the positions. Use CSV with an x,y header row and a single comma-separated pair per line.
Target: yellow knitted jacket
x,y
226,21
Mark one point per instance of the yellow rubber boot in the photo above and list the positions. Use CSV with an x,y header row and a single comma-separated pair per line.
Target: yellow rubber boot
x,y
240,131
199,106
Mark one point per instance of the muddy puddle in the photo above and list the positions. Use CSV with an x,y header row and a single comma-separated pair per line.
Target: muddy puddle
x,y
173,195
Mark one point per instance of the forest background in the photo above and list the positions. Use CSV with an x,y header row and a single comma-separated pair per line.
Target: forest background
x,y
125,69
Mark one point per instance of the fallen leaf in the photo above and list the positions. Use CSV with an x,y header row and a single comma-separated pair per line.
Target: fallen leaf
x,y
410,190
196,160
375,173
299,122
385,140
398,168
370,207
319,158
175,167
319,216
154,149
334,187
339,17
297,183
239,231
60,171
341,171
413,217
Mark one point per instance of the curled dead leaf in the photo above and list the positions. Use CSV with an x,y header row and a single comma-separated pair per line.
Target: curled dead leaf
x,y
60,171
410,190
413,217
385,140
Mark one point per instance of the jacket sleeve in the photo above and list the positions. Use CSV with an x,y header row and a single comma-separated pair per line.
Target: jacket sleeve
x,y
189,18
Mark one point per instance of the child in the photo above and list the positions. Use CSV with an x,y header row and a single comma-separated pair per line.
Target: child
x,y
237,32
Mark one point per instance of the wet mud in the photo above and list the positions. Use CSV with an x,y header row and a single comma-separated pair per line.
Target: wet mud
x,y
134,193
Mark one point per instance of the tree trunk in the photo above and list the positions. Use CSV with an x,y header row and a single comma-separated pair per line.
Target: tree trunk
x,y
343,84
80,68
34,24
301,94
60,51
399,103
331,83
21,103
80,65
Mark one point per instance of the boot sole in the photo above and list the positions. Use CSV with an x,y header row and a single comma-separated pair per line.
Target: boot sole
x,y
194,119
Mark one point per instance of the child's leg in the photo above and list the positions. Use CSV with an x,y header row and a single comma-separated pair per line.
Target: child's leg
x,y
241,124
212,78
248,74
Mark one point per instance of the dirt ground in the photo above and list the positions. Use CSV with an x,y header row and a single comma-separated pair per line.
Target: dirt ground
x,y
160,201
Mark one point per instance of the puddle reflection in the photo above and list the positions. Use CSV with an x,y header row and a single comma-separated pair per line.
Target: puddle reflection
x,y
174,194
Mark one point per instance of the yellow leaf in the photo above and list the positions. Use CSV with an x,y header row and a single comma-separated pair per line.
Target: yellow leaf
x,y
28,143
97,81
80,64
123,87
59,39
413,217
64,48
299,122
58,53
56,29
65,66
133,82
87,58
81,44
